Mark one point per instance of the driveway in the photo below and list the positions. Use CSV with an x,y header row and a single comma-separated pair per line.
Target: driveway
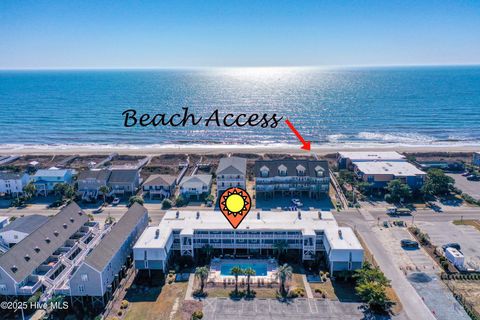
x,y
263,309
470,187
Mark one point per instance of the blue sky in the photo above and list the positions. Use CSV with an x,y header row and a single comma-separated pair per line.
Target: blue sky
x,y
143,34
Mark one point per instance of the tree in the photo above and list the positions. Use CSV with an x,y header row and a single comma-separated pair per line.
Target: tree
x,y
346,176
280,247
397,190
29,190
135,199
59,188
109,219
284,273
104,190
249,272
202,274
180,201
167,204
236,271
208,250
371,286
437,183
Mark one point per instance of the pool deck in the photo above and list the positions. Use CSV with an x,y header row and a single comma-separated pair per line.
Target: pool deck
x,y
216,266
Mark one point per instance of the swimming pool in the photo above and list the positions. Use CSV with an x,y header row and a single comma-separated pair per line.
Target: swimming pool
x,y
260,268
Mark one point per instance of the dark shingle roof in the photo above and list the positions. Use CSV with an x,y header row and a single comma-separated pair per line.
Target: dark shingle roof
x,y
291,166
26,224
160,180
232,165
94,174
103,253
123,176
69,216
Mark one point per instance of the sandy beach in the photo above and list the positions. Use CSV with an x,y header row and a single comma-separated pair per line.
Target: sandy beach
x,y
292,149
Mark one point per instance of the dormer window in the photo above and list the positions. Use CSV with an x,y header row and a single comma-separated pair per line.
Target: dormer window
x,y
14,268
319,171
55,233
72,220
264,171
282,170
47,240
27,257
80,213
300,170
37,249
65,226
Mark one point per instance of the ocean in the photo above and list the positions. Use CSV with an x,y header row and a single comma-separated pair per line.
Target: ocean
x,y
344,106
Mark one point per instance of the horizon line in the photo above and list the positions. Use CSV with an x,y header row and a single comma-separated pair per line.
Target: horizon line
x,y
241,67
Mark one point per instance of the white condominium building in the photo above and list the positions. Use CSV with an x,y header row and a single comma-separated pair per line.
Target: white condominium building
x,y
311,234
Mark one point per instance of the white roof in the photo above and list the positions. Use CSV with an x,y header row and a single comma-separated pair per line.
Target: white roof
x,y
365,156
202,178
3,218
342,238
187,222
398,169
454,252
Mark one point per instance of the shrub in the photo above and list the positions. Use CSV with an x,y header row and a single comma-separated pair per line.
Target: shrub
x,y
119,313
124,304
297,292
444,265
167,204
196,315
180,201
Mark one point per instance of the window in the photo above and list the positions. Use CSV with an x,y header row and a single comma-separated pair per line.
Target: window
x,y
84,277
81,288
3,287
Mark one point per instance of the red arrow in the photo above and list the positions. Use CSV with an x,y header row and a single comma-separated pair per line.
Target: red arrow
x,y
306,144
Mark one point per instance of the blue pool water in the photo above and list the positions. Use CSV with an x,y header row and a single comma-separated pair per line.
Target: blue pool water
x,y
260,268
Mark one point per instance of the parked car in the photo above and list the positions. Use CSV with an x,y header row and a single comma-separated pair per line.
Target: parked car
x,y
297,202
407,243
451,245
116,201
392,210
466,174
473,178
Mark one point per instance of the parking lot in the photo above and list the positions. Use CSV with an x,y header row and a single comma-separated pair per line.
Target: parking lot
x,y
470,187
286,203
444,232
262,309
414,262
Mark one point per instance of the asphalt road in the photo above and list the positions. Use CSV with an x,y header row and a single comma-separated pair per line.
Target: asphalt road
x,y
470,187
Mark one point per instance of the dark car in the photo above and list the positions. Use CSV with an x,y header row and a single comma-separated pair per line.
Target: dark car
x,y
451,245
407,243
473,178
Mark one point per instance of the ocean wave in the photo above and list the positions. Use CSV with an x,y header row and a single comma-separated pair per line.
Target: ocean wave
x,y
414,138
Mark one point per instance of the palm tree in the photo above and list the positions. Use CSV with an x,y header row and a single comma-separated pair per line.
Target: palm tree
x,y
208,249
236,271
202,274
249,272
280,247
104,190
29,190
284,273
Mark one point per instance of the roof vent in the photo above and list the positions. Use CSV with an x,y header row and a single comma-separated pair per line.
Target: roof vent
x,y
157,233
72,220
80,213
47,240
177,214
320,215
55,233
299,215
340,234
37,249
198,215
258,215
14,268
65,226
27,257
